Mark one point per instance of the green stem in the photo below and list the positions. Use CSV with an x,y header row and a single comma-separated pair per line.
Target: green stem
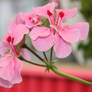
x,y
40,58
51,54
70,77
30,62
44,54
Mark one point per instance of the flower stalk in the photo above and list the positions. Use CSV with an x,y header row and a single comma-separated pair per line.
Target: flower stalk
x,y
70,77
44,54
49,66
30,62
51,54
34,53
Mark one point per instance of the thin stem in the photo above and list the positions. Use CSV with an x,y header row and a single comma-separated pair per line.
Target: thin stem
x,y
34,63
34,53
51,54
45,56
70,77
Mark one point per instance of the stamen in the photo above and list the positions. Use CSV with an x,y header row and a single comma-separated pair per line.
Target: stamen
x,y
61,14
49,13
12,40
38,18
9,39
51,17
33,21
30,18
59,18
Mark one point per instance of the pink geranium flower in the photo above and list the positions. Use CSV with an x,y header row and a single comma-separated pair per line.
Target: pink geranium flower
x,y
10,65
59,35
64,34
33,22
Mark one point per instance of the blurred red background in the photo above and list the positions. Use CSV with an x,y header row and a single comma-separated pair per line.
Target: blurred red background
x,y
35,79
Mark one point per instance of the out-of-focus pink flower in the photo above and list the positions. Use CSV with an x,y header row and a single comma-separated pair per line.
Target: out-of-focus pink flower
x,y
10,68
30,20
10,65
64,33
17,32
20,18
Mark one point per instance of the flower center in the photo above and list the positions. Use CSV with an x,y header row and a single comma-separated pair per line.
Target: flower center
x,y
61,14
51,17
10,39
34,19
12,48
59,19
49,13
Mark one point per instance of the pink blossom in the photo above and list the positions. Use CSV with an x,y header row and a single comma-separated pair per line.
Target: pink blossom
x,y
30,20
20,18
64,34
10,65
17,32
10,68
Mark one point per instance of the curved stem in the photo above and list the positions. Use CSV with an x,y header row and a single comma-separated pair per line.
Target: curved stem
x,y
34,63
34,53
51,54
45,56
70,77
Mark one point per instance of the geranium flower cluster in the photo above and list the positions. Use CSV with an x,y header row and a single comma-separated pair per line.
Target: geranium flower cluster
x,y
58,35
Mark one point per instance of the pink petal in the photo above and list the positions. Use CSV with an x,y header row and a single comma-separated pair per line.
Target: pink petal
x,y
11,27
3,51
10,71
3,48
70,35
25,54
19,32
28,22
4,63
62,48
4,60
18,65
68,13
20,18
4,40
5,83
42,11
84,29
39,32
44,43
